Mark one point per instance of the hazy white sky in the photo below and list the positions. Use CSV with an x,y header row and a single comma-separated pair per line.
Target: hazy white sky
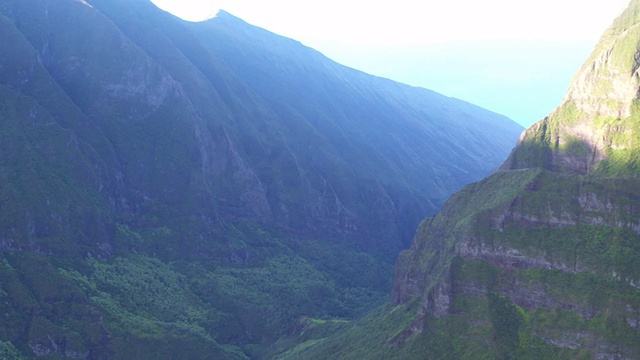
x,y
403,22
513,57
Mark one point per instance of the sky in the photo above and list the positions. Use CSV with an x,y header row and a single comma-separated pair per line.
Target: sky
x,y
511,57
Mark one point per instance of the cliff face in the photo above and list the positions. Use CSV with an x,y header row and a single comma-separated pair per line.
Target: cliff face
x,y
595,129
542,257
532,246
607,84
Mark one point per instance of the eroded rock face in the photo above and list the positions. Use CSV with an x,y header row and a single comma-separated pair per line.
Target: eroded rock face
x,y
505,257
472,230
589,208
606,85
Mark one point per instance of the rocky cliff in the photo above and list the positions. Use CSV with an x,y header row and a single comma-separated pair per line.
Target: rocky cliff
x,y
594,130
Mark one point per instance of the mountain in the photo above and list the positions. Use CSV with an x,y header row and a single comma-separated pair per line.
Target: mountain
x,y
540,260
172,189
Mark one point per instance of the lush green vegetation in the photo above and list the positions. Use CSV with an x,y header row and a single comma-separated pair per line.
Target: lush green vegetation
x,y
605,250
576,314
8,351
623,155
144,298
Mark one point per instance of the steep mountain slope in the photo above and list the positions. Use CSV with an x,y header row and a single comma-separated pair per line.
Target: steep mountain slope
x,y
175,189
540,260
595,130
333,123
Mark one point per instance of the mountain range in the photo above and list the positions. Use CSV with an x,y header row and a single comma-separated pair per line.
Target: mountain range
x,y
172,189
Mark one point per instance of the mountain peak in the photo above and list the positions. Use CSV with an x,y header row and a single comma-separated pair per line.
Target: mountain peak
x,y
607,84
595,131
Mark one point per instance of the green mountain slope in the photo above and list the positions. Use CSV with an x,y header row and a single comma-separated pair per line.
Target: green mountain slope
x,y
170,189
541,259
